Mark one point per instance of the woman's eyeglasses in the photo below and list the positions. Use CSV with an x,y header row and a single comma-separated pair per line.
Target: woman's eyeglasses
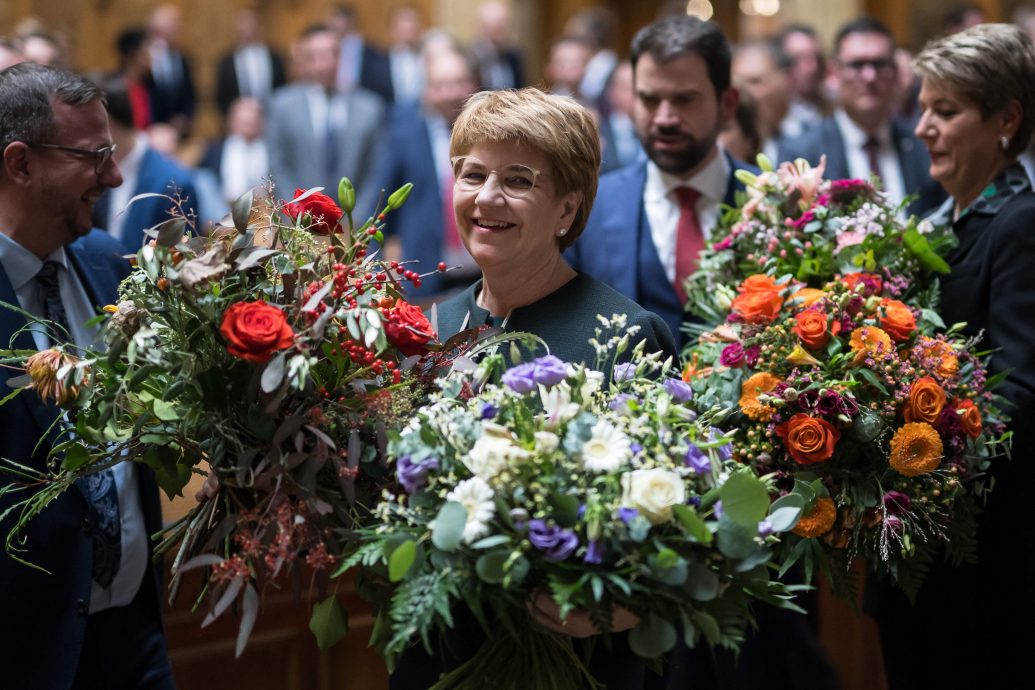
x,y
514,180
101,156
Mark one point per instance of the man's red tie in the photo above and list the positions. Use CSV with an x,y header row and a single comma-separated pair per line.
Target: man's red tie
x,y
689,238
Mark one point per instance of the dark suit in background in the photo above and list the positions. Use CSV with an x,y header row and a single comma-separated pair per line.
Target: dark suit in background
x,y
46,614
158,174
172,93
229,81
914,162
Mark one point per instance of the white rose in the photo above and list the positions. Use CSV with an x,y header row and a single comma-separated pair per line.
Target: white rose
x,y
546,441
493,452
653,492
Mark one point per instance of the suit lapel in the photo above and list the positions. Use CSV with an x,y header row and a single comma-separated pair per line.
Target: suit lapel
x,y
837,158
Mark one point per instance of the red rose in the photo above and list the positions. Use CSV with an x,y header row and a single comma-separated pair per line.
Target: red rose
x,y
324,213
255,330
808,439
408,328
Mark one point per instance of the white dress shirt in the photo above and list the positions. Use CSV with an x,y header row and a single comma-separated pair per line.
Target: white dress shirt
x,y
859,161
254,69
21,267
243,166
662,207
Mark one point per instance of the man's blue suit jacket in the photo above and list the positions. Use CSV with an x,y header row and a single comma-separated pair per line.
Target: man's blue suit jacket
x,y
157,172
915,163
44,614
406,156
608,249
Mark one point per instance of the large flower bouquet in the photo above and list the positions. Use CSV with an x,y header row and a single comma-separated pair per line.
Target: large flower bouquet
x,y
849,391
794,222
273,353
546,496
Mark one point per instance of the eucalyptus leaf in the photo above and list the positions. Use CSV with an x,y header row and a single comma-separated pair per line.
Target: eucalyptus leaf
x,y
329,622
735,540
490,566
701,583
241,210
693,524
273,374
652,637
744,499
447,529
784,519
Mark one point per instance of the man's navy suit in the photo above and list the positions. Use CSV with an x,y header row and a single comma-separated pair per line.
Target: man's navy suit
x,y
406,156
45,615
617,248
915,164
157,173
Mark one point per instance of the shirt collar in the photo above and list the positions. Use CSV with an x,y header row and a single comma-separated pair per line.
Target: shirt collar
x,y
1007,185
711,180
854,135
21,265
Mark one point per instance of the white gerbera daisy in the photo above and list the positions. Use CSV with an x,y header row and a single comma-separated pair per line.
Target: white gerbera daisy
x,y
475,496
606,450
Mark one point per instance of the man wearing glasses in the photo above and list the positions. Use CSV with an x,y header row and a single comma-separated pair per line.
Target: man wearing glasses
x,y
861,139
89,616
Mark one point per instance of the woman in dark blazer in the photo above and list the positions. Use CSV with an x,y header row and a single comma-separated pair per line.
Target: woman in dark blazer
x,y
973,625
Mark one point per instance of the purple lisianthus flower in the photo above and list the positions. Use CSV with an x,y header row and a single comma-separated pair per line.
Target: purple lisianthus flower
x,y
679,390
520,379
489,411
725,451
549,370
594,552
624,371
626,514
555,542
635,448
697,460
621,403
695,501
897,503
765,528
413,475
732,356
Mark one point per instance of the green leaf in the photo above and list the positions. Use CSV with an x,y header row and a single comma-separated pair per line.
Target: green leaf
x,y
784,519
329,622
165,411
75,457
735,540
872,379
447,530
693,524
565,509
401,559
701,583
490,566
652,637
919,247
744,499
273,374
490,541
241,210
708,626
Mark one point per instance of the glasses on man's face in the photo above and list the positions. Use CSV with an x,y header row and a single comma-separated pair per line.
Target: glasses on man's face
x,y
100,157
515,180
881,66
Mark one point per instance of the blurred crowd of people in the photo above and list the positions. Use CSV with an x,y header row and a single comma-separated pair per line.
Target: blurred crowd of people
x,y
338,105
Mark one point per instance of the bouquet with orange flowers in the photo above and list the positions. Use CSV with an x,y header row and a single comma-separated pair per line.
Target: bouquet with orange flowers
x,y
273,353
793,222
862,408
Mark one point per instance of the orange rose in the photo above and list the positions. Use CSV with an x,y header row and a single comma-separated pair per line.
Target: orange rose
x,y
759,299
806,297
818,521
808,439
896,319
811,328
925,403
759,383
971,417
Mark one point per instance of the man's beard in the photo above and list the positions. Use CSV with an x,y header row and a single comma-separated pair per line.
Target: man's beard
x,y
677,162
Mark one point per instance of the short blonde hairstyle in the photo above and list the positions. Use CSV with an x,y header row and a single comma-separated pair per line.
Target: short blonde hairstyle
x,y
556,126
988,65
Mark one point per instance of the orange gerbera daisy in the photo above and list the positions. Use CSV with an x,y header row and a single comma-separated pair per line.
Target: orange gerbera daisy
x,y
762,382
916,448
818,521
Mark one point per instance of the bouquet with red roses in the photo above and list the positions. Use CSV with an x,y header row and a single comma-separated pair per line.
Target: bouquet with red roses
x,y
273,353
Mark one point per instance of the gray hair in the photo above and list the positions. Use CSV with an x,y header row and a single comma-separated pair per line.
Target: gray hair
x,y
27,95
989,65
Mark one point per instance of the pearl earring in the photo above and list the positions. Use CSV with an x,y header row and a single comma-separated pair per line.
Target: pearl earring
x,y
562,232
1004,141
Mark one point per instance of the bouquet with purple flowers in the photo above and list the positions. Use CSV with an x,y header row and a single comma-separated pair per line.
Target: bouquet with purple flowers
x,y
555,494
